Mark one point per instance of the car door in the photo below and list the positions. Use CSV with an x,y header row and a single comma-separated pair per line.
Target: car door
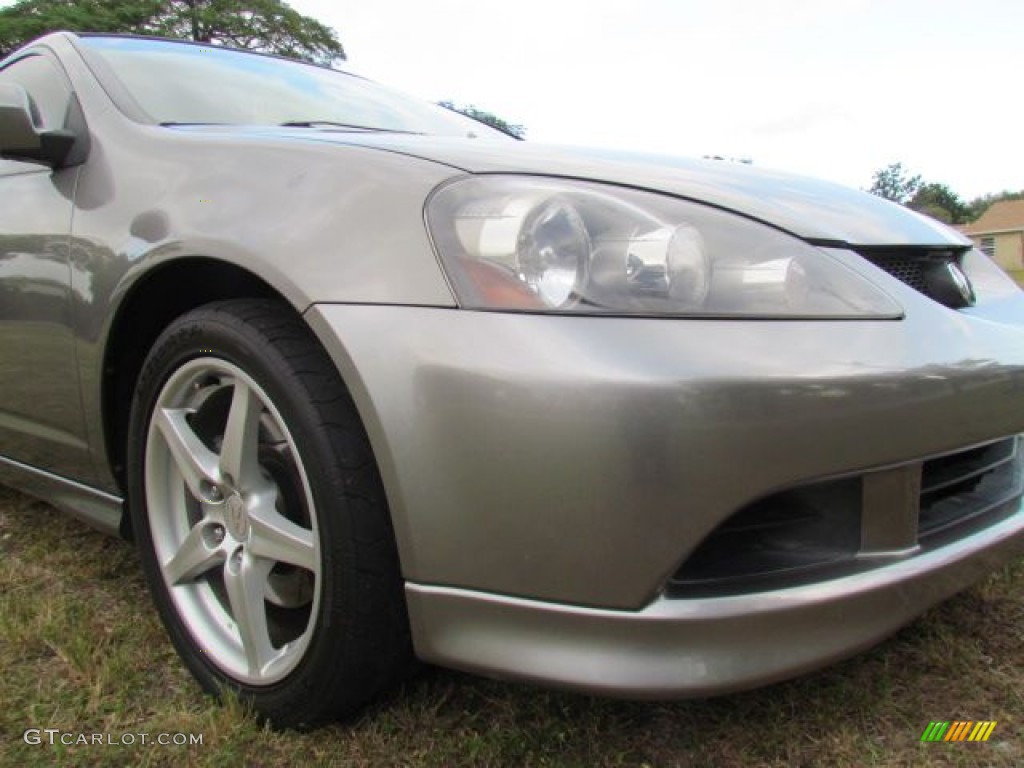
x,y
41,420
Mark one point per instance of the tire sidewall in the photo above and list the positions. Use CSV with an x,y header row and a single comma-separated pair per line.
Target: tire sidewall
x,y
334,654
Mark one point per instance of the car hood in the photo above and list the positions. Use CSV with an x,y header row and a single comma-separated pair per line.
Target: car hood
x,y
814,210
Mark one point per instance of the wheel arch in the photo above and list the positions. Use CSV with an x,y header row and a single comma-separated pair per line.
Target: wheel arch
x,y
164,293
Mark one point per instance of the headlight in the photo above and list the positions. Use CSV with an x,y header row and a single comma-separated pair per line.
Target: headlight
x,y
536,244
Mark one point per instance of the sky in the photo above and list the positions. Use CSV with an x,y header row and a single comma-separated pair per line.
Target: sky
x,y
829,88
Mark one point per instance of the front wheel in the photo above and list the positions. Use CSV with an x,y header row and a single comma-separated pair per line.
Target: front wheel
x,y
260,516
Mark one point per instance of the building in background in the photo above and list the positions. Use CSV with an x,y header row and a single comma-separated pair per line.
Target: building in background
x,y
1000,233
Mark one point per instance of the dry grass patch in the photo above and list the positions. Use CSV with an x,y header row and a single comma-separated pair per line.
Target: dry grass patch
x,y
82,651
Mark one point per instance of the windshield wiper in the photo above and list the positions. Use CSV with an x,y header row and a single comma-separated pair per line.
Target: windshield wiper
x,y
309,124
347,126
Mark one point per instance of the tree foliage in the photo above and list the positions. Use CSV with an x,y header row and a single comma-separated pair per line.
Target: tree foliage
x,y
745,160
932,198
29,19
486,117
894,183
940,202
262,25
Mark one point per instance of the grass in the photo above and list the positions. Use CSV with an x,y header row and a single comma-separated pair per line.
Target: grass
x,y
1018,275
82,651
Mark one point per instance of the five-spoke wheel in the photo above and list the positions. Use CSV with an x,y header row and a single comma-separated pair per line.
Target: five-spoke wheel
x,y
229,507
261,517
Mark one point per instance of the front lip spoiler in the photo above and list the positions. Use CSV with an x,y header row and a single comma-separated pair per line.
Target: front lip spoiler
x,y
679,648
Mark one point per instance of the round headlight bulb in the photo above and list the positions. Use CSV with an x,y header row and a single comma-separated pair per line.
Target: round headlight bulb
x,y
689,269
552,252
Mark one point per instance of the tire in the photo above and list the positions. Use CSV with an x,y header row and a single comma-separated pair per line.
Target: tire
x,y
260,517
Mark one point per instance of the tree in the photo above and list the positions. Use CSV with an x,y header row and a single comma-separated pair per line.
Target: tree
x,y
745,160
261,25
480,115
940,202
29,19
893,183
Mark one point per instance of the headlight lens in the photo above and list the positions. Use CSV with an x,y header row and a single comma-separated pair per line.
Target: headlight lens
x,y
535,244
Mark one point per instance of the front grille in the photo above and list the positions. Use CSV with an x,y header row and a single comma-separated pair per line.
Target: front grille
x,y
926,270
907,269
957,488
842,526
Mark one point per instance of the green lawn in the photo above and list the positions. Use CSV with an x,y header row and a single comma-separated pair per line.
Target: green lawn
x,y
81,650
1018,275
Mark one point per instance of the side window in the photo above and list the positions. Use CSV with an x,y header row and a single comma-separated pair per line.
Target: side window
x,y
46,85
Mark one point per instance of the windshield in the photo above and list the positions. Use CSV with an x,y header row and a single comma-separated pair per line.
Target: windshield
x,y
186,83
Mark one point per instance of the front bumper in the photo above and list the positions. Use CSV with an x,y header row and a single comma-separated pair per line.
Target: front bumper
x,y
547,476
677,648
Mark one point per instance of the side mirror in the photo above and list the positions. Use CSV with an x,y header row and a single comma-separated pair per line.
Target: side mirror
x,y
20,139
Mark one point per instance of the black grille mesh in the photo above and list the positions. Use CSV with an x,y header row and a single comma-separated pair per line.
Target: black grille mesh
x,y
906,269
913,267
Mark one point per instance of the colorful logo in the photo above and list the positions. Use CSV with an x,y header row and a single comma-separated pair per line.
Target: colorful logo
x,y
959,730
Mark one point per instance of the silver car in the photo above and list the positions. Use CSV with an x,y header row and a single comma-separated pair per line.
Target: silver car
x,y
367,381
